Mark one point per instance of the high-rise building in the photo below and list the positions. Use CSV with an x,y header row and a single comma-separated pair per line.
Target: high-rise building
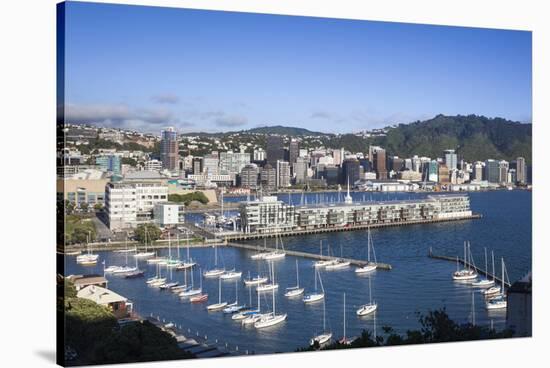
x,y
249,176
275,149
444,175
397,164
478,171
268,178
259,155
451,160
521,170
433,171
283,174
300,170
293,151
492,171
109,163
233,162
379,162
211,164
503,167
169,149
350,170
365,164
338,155
197,165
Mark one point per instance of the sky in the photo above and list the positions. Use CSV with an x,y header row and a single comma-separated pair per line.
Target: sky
x,y
146,68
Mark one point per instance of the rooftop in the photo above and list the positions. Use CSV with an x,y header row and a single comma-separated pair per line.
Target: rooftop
x,y
100,295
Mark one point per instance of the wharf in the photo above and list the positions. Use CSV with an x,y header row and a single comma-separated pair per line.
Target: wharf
x,y
480,271
297,232
355,262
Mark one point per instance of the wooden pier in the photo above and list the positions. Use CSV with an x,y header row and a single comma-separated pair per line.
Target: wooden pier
x,y
480,271
331,229
355,262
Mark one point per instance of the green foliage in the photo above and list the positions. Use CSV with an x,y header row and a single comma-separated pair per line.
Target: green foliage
x,y
188,198
98,206
436,326
147,233
77,229
128,161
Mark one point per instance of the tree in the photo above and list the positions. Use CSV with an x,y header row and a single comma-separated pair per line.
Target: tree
x,y
84,206
129,161
188,198
98,206
147,232
69,207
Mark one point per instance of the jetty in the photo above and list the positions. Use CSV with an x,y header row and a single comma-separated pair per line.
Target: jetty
x,y
480,271
355,262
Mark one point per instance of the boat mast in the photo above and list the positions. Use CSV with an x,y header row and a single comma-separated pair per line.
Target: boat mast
x,y
324,312
344,317
486,270
219,291
493,260
273,273
297,276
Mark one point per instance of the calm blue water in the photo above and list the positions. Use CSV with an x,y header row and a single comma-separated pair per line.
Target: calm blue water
x,y
416,283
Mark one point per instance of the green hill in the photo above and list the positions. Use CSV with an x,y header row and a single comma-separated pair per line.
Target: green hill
x,y
282,130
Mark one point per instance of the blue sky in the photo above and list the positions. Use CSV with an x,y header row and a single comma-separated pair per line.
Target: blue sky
x,y
146,68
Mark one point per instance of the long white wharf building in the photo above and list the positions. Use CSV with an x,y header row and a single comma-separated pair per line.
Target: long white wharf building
x,y
272,215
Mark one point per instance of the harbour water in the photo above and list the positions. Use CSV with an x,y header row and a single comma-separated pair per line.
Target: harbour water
x,y
416,284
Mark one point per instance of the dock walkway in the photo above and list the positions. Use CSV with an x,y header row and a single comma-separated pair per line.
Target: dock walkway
x,y
355,262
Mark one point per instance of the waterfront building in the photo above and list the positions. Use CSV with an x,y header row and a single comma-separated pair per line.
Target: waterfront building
x,y
117,304
272,215
233,162
397,163
283,174
410,175
293,150
451,160
444,175
130,203
338,156
433,171
503,171
521,170
109,163
166,214
268,178
300,170
330,173
249,176
492,171
79,191
275,149
512,176
478,171
169,149
207,180
350,171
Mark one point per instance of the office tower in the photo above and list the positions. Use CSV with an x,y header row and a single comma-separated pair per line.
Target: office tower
x,y
283,174
169,149
444,176
492,171
350,170
211,164
249,176
521,170
451,160
259,155
197,165
433,171
338,155
109,163
365,164
275,149
233,162
379,161
293,151
397,164
268,178
478,171
512,176
503,167
300,170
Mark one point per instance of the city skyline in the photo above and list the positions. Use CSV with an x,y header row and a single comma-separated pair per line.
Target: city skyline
x,y
336,76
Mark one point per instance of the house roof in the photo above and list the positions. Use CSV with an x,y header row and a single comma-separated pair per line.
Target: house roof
x,y
89,280
100,295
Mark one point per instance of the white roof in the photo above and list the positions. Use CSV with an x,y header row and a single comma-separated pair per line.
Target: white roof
x,y
100,295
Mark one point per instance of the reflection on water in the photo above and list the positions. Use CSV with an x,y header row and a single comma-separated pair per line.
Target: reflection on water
x,y
416,284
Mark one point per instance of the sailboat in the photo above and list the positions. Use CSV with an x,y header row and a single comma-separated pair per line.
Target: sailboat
x,y
199,298
368,308
192,291
369,267
338,263
145,254
252,316
315,296
219,305
232,274
295,290
322,262
188,263
215,272
272,285
156,280
245,312
325,336
234,307
466,273
500,301
122,270
344,340
486,282
277,254
494,290
260,254
270,319
257,280
88,259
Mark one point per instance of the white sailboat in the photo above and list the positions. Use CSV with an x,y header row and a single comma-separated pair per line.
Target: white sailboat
x,y
252,316
219,305
257,280
500,301
245,312
369,267
325,336
192,291
189,262
234,307
322,262
277,254
88,259
315,296
260,254
295,290
215,272
271,319
370,307
232,274
146,253
485,283
156,280
466,273
344,340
